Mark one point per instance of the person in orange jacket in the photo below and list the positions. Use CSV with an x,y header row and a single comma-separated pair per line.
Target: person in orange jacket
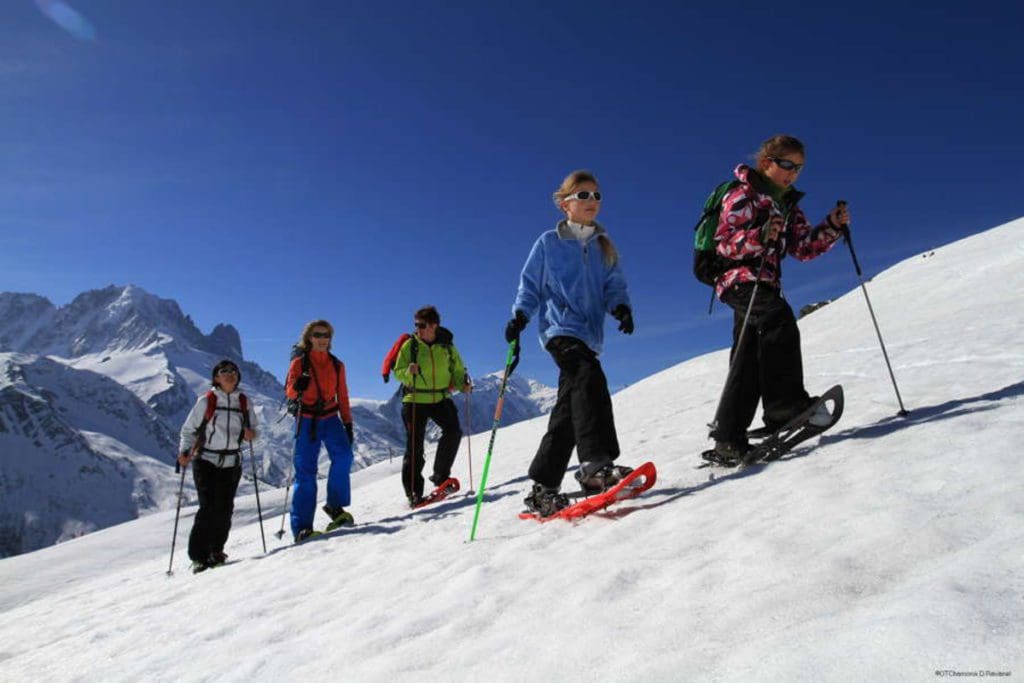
x,y
317,394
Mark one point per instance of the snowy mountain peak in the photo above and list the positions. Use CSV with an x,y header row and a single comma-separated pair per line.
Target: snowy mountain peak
x,y
226,337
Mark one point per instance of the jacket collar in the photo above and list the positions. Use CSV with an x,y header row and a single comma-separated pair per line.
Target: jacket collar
x,y
565,232
222,396
787,198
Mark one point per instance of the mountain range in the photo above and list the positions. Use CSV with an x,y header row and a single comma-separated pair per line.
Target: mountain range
x,y
93,394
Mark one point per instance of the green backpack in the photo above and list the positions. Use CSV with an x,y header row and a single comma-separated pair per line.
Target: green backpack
x,y
708,266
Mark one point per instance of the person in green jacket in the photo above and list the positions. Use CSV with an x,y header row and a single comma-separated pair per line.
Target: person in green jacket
x,y
430,368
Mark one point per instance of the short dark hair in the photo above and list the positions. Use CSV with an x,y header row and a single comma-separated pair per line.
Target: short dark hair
x,y
429,315
226,363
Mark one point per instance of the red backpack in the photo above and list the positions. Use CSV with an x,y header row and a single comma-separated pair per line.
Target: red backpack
x,y
392,356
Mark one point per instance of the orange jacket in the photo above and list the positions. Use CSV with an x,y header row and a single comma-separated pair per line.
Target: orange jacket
x,y
333,388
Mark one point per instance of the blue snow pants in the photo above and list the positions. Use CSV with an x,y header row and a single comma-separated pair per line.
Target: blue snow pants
x,y
331,433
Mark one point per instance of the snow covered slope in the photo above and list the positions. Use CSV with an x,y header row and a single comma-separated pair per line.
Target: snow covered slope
x,y
887,550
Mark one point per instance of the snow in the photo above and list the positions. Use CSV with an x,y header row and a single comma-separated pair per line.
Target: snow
x,y
887,550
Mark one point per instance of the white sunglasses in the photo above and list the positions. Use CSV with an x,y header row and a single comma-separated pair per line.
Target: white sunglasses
x,y
584,195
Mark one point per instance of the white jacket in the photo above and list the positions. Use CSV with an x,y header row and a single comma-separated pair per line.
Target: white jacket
x,y
223,431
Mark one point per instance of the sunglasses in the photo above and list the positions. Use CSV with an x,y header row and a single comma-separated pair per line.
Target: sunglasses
x,y
584,195
786,164
228,371
321,335
420,325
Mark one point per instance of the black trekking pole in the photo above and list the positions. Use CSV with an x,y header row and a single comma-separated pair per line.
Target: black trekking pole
x,y
845,228
177,514
256,485
742,335
284,512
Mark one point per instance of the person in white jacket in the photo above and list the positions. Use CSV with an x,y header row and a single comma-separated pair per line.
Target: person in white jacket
x,y
211,439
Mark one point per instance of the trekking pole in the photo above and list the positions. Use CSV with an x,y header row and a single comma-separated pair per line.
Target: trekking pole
x,y
256,485
494,430
740,339
746,317
469,441
845,228
412,440
177,514
284,512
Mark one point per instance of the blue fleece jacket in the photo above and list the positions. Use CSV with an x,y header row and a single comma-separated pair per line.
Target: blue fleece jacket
x,y
570,284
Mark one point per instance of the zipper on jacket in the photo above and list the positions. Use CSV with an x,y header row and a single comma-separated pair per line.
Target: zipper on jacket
x,y
227,430
433,369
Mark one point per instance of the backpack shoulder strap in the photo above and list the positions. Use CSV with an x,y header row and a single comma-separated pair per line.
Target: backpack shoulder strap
x,y
337,378
211,406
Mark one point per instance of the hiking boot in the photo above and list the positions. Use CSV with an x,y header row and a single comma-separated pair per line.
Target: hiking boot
x,y
415,499
216,559
731,451
593,481
303,535
339,517
436,480
198,566
545,500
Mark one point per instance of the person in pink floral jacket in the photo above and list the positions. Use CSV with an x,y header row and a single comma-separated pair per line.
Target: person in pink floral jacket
x,y
759,224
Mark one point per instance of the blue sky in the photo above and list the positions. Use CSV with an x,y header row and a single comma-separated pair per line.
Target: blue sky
x,y
266,163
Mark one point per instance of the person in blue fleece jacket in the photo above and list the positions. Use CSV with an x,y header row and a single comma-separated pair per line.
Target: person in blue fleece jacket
x,y
571,279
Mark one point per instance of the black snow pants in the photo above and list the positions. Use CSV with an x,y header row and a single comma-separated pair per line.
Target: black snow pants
x,y
766,367
582,416
216,487
446,416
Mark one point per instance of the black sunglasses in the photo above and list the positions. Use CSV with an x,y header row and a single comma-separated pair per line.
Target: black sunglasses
x,y
321,335
228,371
585,195
786,164
420,325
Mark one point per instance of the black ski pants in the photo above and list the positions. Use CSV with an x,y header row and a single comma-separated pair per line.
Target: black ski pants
x,y
582,416
446,416
766,366
216,487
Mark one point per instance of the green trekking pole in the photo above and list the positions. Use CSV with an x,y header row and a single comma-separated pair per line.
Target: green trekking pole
x,y
510,360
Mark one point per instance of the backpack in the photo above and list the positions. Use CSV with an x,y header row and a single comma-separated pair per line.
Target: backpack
x,y
444,338
708,266
392,355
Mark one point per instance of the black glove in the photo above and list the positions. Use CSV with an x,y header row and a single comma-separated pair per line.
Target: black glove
x,y
515,326
350,430
625,318
301,383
